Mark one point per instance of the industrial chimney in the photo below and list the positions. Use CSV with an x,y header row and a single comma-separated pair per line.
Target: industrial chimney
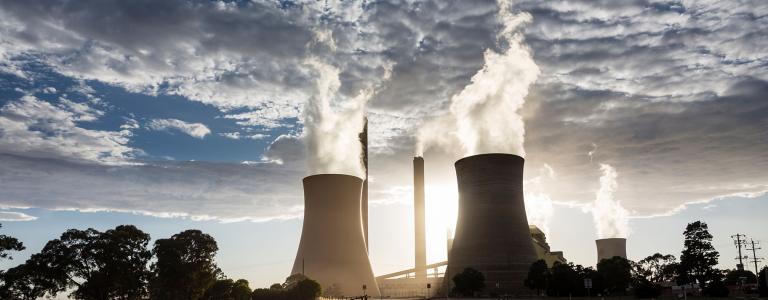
x,y
608,248
332,248
492,234
363,136
418,216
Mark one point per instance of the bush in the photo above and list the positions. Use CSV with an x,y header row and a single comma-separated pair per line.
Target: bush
x,y
468,282
716,288
646,289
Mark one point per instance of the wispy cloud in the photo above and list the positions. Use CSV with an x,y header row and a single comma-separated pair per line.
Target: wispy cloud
x,y
12,216
196,130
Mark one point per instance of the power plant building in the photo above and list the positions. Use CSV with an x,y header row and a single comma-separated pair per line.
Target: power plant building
x,y
608,248
492,233
543,251
332,249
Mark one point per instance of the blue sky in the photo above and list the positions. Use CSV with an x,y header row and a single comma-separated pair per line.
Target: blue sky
x,y
206,114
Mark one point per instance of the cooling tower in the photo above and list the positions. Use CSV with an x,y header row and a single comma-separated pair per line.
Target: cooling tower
x,y
418,219
492,234
608,248
332,248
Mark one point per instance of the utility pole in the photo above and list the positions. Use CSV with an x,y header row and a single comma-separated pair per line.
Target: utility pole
x,y
739,242
755,259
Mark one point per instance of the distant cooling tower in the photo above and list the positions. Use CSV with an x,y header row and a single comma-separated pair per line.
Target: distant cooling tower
x,y
332,249
608,248
492,234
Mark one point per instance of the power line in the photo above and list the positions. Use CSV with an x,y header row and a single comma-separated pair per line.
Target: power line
x,y
739,241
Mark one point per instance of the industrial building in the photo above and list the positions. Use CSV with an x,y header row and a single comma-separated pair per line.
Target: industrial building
x,y
608,248
495,236
332,248
492,232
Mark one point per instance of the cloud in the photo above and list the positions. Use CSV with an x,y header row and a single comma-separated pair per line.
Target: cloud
x,y
672,93
196,130
196,190
238,135
36,128
12,216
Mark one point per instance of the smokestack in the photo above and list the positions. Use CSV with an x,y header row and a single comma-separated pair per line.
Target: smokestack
x,y
332,248
364,157
418,216
608,248
492,234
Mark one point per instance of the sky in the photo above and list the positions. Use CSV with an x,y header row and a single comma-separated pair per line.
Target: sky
x,y
176,114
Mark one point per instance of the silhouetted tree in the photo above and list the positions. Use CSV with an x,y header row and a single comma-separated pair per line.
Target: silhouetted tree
x,y
645,289
733,277
586,273
7,244
26,282
293,280
656,268
715,286
562,281
616,275
108,265
226,289
241,290
468,282
268,294
306,289
699,257
537,276
185,266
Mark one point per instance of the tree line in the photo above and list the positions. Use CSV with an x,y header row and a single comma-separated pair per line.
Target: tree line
x,y
118,264
646,278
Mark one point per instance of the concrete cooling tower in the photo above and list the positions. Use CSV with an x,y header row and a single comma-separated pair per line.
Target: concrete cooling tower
x,y
608,248
332,249
492,234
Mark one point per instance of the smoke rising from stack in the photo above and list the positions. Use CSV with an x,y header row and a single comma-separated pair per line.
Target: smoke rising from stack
x,y
332,130
484,117
538,205
610,218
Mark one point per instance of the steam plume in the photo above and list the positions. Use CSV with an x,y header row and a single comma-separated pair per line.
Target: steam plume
x,y
538,205
332,130
484,117
611,219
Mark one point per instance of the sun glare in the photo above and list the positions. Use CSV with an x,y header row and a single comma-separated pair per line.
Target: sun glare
x,y
441,211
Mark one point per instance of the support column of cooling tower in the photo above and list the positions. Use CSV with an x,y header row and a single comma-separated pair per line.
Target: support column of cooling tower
x,y
608,248
419,222
492,234
332,247
364,201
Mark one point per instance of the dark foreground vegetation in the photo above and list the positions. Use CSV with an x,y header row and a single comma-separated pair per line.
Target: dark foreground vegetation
x,y
118,264
651,276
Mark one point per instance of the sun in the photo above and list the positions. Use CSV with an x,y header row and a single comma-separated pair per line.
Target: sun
x,y
441,210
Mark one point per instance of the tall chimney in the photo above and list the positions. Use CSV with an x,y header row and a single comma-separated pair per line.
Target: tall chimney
x,y
332,248
419,216
364,199
492,234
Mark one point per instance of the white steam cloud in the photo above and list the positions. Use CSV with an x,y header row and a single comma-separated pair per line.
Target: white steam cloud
x,y
538,205
333,144
484,117
611,219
